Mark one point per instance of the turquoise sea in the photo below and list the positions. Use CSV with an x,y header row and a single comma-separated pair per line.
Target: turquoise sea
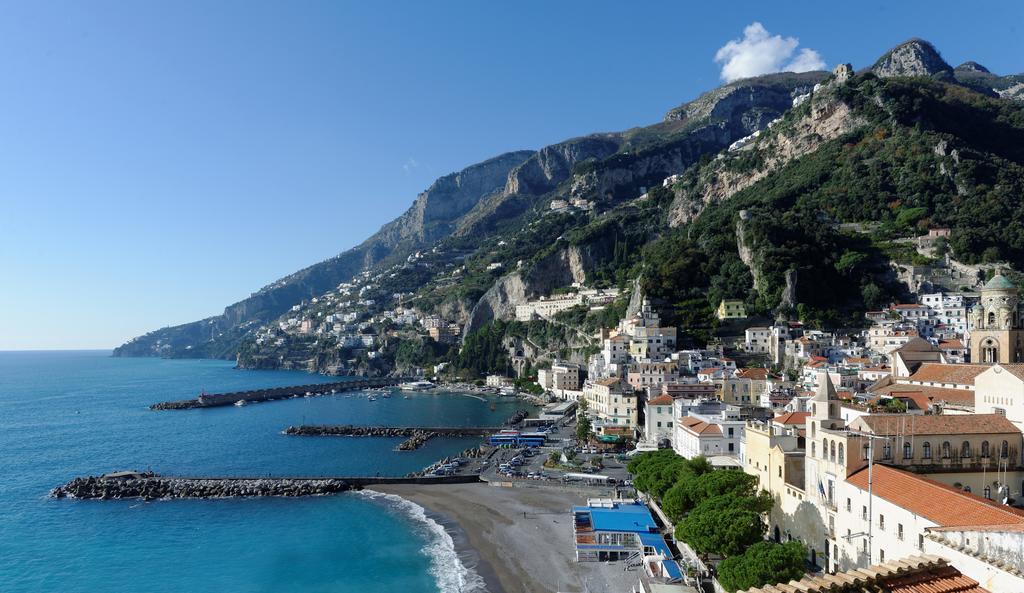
x,y
65,414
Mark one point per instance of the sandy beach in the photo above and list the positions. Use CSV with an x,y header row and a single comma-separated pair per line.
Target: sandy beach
x,y
522,536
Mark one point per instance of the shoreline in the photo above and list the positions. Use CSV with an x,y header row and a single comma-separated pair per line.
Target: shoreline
x,y
520,539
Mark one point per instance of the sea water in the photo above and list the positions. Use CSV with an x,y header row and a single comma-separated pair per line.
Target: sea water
x,y
68,414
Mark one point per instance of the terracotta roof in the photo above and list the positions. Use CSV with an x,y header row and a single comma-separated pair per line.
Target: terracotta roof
x,y
709,371
946,424
792,418
690,421
951,344
752,373
609,382
915,574
959,374
701,427
1017,370
921,401
935,394
939,503
661,400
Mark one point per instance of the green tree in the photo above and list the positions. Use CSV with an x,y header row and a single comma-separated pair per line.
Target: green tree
x,y
764,563
583,427
721,483
725,525
895,406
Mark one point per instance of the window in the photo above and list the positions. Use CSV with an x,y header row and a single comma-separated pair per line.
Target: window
x,y
988,492
832,452
780,471
945,450
886,450
899,530
842,456
881,555
926,450
864,513
965,449
659,423
908,451
920,541
984,449
881,522
1004,450
813,449
848,505
866,450
731,431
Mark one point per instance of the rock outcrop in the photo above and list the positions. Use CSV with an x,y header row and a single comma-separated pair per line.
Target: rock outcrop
x,y
561,268
916,57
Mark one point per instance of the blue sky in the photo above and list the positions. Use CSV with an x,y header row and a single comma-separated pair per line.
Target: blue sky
x,y
160,160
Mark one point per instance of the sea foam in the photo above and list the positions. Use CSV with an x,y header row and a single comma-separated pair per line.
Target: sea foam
x,y
451,573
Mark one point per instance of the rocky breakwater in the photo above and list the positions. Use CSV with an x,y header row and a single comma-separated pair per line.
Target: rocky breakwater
x,y
415,436
516,418
149,486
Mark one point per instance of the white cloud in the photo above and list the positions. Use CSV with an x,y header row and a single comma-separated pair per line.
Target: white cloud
x,y
760,52
410,165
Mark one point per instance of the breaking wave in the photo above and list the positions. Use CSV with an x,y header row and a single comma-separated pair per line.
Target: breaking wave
x,y
446,566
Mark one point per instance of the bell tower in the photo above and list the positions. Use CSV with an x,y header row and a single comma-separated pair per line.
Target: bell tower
x,y
995,324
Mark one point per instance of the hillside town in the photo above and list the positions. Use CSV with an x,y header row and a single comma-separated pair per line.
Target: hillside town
x,y
901,441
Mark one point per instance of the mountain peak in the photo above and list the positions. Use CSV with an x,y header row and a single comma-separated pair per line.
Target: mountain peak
x,y
915,57
972,66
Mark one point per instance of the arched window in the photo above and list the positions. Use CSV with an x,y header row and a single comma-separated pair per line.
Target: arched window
x,y
886,450
1004,450
842,457
908,451
991,318
984,448
965,449
945,450
987,492
832,451
926,450
814,448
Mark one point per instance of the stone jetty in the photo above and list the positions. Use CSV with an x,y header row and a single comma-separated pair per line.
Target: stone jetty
x,y
149,486
517,417
212,400
415,436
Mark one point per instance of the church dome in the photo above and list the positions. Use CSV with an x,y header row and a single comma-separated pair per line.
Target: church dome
x,y
999,282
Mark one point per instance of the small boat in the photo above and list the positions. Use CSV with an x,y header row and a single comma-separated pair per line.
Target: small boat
x,y
386,395
240,403
372,398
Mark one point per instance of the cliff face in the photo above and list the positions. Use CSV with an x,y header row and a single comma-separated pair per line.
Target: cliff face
x,y
559,269
436,211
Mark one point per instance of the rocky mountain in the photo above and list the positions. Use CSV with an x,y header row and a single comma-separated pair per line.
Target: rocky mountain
x,y
798,193
481,198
